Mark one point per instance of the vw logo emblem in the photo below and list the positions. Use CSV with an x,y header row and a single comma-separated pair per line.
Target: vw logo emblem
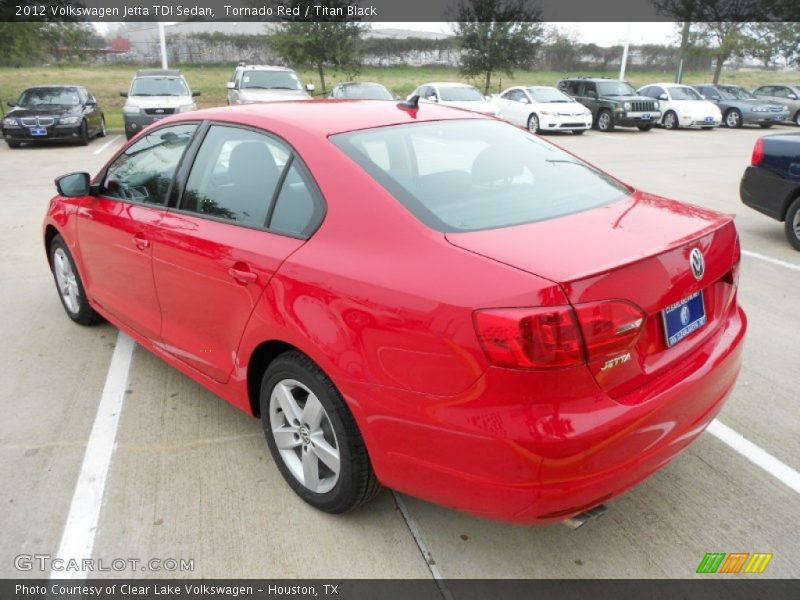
x,y
685,315
698,263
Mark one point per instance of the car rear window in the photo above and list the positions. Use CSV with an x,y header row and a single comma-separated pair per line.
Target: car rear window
x,y
470,175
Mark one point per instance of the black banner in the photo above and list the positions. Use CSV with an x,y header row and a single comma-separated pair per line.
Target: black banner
x,y
711,588
390,10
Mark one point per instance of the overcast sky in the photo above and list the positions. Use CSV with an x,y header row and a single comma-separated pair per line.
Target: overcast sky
x,y
602,34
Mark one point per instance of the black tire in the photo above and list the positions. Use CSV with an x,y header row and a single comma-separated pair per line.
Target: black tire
x,y
765,125
732,118
85,314
792,224
102,132
83,135
644,127
356,483
578,131
12,144
605,120
797,118
670,120
533,123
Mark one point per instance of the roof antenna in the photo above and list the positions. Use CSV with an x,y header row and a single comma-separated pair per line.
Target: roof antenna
x,y
410,104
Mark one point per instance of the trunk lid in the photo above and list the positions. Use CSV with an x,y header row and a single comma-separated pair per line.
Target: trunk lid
x,y
636,250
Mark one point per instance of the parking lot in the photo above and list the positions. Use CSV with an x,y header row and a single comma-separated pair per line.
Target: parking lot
x,y
192,478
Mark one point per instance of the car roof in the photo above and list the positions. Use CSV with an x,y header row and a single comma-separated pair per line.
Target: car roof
x,y
53,85
346,83
158,73
263,68
325,117
595,79
450,83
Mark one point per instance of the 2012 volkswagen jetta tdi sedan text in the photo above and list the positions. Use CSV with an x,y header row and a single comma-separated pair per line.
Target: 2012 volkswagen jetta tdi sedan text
x,y
427,299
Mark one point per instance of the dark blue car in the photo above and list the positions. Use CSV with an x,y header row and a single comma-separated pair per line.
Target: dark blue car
x,y
771,184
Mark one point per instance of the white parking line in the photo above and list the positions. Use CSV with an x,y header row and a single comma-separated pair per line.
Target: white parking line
x,y
769,259
423,547
77,541
756,455
107,144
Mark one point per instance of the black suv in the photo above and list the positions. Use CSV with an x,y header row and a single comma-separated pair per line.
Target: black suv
x,y
613,103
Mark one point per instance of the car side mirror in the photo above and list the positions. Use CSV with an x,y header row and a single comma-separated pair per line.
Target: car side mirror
x,y
12,104
231,85
91,103
792,96
433,98
524,100
73,185
124,94
703,97
196,93
310,87
663,97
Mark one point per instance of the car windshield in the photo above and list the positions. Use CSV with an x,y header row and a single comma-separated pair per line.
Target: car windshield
x,y
734,92
462,93
615,88
366,91
469,175
684,93
270,80
548,95
159,86
50,96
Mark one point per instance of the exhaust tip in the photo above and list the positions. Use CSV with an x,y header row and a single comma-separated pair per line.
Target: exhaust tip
x,y
585,516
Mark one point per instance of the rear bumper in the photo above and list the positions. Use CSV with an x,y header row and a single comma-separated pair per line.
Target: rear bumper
x,y
536,447
766,192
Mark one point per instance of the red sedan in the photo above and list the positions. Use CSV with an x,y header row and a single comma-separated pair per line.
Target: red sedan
x,y
427,299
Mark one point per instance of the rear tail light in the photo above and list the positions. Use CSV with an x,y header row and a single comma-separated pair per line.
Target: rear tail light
x,y
758,153
531,338
558,336
609,328
732,276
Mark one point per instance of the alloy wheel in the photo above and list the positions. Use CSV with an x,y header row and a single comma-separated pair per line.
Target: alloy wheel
x,y
67,282
604,121
670,121
796,224
533,124
304,436
732,119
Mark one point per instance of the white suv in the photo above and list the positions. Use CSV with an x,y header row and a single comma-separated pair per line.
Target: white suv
x,y
250,84
153,95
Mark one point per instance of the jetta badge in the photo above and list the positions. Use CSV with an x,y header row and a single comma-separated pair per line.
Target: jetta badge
x,y
698,263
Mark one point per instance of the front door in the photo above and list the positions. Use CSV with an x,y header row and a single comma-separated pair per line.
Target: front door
x,y
115,228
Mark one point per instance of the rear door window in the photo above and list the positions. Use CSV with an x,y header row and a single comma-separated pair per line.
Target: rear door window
x,y
253,179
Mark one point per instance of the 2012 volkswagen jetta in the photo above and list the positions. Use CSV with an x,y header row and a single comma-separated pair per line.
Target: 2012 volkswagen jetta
x,y
424,298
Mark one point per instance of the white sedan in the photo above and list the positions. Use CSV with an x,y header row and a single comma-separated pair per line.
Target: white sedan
x,y
542,108
458,95
683,106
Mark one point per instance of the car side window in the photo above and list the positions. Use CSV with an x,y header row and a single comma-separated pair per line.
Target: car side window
x,y
780,92
647,91
516,95
235,175
764,90
144,171
298,208
588,87
657,91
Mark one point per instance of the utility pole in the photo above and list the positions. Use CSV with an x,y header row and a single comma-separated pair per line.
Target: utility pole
x,y
625,53
163,39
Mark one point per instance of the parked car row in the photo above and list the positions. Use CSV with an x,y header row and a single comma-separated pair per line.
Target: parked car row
x,y
575,104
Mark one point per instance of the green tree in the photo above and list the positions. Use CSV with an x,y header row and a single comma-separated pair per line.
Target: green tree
x,y
496,36
332,40
770,41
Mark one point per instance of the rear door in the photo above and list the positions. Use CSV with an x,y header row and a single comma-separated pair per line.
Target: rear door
x,y
115,227
247,204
